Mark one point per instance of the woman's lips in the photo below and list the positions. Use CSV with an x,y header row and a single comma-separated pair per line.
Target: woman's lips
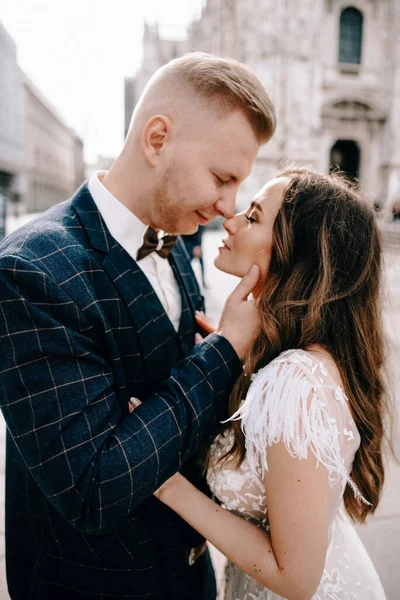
x,y
223,246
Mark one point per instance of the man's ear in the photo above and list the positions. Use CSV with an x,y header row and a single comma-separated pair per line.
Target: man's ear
x,y
156,133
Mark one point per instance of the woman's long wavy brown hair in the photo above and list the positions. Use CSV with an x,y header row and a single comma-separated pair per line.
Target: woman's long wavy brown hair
x,y
323,287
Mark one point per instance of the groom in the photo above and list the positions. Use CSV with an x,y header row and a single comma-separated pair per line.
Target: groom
x,y
97,307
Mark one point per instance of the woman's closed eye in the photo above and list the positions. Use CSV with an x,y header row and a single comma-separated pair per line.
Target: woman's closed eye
x,y
250,218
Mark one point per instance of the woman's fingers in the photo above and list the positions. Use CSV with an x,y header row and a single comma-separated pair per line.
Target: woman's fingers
x,y
204,322
133,403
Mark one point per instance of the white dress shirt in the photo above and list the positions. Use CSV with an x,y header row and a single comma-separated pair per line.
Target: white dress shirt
x,y
128,231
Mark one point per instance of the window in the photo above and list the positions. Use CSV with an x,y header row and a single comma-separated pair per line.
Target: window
x,y
351,25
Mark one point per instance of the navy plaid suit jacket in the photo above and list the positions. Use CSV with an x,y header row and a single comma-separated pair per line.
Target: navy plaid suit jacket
x,y
81,331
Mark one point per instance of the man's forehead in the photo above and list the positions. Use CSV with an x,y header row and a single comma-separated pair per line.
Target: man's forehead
x,y
237,165
237,159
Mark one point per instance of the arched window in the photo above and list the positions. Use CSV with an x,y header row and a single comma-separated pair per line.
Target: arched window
x,y
351,26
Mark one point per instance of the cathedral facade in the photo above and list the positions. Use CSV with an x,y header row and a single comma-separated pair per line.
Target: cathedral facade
x,y
332,68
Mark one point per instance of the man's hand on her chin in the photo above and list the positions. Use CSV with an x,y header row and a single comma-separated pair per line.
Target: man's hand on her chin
x,y
239,322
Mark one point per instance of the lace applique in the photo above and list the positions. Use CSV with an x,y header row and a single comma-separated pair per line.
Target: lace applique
x,y
287,403
293,400
240,492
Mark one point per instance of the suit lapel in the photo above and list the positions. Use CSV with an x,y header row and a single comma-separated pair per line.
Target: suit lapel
x,y
159,344
190,293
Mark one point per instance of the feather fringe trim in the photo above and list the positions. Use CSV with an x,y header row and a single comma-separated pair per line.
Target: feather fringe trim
x,y
284,405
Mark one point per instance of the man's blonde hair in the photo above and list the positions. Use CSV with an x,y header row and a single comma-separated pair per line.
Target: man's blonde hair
x,y
229,84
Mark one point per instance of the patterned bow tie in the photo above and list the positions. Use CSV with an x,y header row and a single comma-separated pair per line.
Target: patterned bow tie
x,y
151,243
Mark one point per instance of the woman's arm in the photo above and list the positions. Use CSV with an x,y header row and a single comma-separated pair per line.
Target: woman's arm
x,y
290,561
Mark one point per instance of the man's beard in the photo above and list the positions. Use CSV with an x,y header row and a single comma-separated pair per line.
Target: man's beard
x,y
167,207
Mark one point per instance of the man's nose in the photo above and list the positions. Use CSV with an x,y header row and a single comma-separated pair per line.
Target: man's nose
x,y
226,205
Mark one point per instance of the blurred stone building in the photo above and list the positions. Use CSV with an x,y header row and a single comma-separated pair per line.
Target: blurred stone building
x,y
53,165
11,118
101,163
332,68
41,158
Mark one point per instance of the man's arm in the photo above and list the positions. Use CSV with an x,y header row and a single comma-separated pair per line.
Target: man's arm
x,y
61,406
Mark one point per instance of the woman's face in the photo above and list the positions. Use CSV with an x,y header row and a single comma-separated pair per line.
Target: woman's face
x,y
249,238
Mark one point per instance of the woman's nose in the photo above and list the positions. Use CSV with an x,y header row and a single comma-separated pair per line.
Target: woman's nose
x,y
234,223
230,226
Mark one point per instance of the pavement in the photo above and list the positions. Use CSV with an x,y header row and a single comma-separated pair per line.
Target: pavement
x,y
381,535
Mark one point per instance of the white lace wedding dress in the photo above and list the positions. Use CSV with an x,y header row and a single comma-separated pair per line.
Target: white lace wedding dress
x,y
277,408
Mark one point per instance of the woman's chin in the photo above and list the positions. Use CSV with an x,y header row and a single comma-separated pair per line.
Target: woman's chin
x,y
221,265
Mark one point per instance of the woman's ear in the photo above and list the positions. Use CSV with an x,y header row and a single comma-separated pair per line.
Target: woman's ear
x,y
156,133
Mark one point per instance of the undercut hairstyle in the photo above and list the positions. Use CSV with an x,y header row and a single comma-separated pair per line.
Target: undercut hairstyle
x,y
324,287
230,85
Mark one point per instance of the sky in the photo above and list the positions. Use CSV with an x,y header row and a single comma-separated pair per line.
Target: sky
x,y
77,52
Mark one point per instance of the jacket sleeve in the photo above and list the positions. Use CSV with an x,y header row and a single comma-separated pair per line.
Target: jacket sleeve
x,y
61,406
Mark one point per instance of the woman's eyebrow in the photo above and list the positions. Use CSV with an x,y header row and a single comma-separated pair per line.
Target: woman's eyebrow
x,y
256,205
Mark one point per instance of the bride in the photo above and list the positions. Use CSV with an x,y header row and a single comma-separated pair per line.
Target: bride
x,y
300,457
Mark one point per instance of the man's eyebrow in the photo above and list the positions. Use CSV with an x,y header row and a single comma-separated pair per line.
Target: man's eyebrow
x,y
256,205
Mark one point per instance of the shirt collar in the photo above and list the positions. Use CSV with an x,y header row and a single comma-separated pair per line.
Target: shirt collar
x,y
124,226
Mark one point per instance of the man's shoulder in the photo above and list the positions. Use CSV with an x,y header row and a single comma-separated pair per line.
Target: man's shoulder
x,y
55,232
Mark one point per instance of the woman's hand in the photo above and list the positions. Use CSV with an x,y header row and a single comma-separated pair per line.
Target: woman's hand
x,y
171,486
205,325
133,403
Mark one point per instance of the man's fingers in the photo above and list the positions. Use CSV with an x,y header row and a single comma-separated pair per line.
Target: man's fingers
x,y
247,284
239,321
198,338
